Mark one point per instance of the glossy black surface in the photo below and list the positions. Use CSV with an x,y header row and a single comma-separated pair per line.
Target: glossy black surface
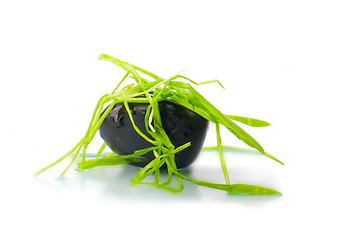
x,y
180,124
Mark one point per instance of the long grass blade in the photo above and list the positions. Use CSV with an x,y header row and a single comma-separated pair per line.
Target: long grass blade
x,y
249,121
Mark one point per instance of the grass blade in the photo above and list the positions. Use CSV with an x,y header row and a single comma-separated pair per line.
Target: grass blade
x,y
251,190
111,160
249,121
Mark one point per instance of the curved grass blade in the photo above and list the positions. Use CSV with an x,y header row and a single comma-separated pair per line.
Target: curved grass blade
x,y
242,150
111,160
215,148
251,190
249,121
243,189
116,160
197,83
122,80
121,64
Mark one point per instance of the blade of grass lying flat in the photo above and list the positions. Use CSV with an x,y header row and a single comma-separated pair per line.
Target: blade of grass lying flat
x,y
111,160
242,150
251,190
215,148
249,121
243,189
116,160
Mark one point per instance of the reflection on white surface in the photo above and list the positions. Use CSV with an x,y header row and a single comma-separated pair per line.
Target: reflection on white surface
x,y
113,182
99,203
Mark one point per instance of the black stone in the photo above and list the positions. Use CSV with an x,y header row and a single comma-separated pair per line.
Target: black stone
x,y
180,124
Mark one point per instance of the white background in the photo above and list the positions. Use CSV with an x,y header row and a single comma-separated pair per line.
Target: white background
x,y
292,63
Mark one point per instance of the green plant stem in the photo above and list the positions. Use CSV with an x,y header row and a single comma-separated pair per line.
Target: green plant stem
x,y
221,154
101,150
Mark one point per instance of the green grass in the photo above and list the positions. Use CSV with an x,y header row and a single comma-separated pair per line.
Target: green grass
x,y
177,89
